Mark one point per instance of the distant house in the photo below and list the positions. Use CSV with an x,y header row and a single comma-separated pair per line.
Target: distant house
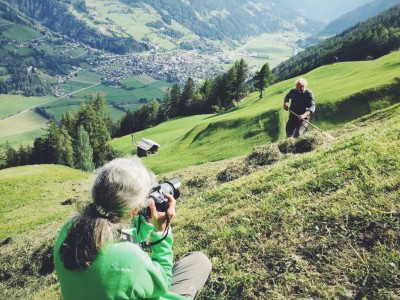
x,y
146,147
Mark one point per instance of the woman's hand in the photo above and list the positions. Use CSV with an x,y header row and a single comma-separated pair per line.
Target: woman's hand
x,y
159,219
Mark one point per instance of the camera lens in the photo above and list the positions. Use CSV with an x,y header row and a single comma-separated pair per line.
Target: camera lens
x,y
171,187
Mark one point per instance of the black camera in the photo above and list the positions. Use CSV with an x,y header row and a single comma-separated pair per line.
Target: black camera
x,y
157,194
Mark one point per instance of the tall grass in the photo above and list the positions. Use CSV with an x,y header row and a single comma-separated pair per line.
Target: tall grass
x,y
318,225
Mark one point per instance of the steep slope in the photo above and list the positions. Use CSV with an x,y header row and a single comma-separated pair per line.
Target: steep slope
x,y
343,92
322,225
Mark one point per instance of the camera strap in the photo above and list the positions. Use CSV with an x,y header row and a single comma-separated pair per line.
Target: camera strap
x,y
146,244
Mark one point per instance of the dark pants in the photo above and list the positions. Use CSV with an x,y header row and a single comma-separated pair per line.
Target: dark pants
x,y
295,127
189,274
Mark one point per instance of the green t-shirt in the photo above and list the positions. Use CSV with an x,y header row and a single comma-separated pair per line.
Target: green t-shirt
x,y
120,271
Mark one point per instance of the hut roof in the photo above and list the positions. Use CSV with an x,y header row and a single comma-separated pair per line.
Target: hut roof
x,y
146,144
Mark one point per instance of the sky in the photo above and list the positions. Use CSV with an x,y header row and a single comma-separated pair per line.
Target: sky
x,y
326,10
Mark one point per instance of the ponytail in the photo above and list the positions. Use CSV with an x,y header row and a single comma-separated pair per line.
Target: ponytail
x,y
121,186
89,232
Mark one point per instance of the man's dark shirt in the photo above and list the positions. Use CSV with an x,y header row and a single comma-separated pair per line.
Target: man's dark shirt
x,y
301,102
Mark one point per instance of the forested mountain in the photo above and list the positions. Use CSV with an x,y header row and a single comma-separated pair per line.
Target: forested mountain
x,y
111,25
325,10
21,65
368,40
357,15
234,19
57,16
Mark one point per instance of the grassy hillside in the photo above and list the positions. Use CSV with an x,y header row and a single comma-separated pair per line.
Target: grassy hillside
x,y
318,225
343,92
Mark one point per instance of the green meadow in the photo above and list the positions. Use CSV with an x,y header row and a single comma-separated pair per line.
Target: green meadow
x,y
22,128
322,224
20,33
13,104
343,92
270,48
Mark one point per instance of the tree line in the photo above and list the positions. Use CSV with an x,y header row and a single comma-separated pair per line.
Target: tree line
x,y
367,40
80,140
214,95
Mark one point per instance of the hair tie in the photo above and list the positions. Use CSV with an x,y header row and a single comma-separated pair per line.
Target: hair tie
x,y
100,212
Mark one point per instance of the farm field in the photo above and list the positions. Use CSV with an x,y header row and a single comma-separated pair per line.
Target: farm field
x,y
22,128
77,90
267,48
12,104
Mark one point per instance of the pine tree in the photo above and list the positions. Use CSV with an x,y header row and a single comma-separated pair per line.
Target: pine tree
x,y
186,97
11,156
83,152
175,96
52,143
65,149
263,79
242,70
97,122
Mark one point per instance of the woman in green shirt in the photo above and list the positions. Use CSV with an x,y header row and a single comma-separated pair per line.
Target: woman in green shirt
x,y
93,262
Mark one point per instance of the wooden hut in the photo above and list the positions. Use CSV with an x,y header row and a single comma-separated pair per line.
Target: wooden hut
x,y
146,147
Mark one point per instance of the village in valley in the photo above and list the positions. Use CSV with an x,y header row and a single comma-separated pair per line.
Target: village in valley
x,y
176,66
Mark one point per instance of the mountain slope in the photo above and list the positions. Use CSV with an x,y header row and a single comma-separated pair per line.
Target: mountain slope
x,y
318,225
343,92
56,16
357,15
127,25
370,39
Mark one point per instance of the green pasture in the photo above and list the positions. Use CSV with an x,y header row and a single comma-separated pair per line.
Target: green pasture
x,y
25,51
51,50
20,33
134,24
87,77
146,79
58,111
118,95
267,48
5,77
24,138
22,128
238,131
76,84
37,189
136,82
78,51
311,225
12,104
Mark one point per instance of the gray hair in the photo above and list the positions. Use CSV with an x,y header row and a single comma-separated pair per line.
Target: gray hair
x,y
301,81
121,186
